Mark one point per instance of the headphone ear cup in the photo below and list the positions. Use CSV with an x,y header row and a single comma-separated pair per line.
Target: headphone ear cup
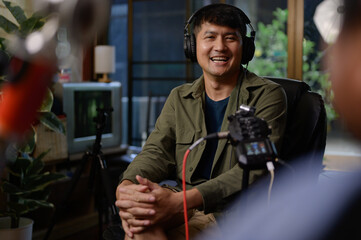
x,y
248,50
193,48
187,46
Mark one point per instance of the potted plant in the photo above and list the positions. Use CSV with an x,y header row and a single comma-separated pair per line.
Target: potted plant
x,y
26,185
26,189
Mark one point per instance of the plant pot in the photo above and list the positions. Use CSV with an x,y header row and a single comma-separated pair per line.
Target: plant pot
x,y
23,232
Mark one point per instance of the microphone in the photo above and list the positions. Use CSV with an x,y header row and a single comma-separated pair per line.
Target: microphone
x,y
217,135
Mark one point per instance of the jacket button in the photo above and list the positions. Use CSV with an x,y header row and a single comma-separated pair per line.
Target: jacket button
x,y
202,143
191,169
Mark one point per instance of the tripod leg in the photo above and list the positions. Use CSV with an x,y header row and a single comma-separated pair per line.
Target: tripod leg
x,y
100,205
108,190
61,208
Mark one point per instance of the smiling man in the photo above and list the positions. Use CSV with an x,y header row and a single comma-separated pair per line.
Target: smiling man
x,y
192,111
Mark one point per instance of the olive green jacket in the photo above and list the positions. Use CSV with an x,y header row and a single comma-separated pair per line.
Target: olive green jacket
x,y
182,122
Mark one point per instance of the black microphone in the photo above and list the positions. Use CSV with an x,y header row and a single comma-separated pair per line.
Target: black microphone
x,y
217,135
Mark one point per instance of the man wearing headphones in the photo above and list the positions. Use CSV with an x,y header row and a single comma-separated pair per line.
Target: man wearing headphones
x,y
213,175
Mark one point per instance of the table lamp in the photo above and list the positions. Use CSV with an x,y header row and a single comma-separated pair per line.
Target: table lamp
x,y
104,61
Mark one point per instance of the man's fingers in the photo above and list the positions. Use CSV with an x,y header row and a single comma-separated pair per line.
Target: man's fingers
x,y
147,182
126,229
135,223
125,215
136,213
136,229
130,194
141,180
131,189
141,212
126,204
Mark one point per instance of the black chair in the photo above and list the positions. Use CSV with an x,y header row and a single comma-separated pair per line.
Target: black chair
x,y
306,127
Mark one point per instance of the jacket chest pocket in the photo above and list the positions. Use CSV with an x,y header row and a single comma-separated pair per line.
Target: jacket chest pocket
x,y
184,140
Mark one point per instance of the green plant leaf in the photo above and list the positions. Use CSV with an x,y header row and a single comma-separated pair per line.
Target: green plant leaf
x,y
29,145
38,195
39,24
7,25
19,166
2,43
16,11
36,165
31,24
4,213
39,182
47,102
51,121
35,204
18,208
11,188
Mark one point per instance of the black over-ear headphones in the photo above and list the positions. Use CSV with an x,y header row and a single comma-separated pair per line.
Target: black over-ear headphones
x,y
189,43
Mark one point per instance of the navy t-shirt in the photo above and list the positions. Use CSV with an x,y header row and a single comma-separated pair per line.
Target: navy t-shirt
x,y
214,114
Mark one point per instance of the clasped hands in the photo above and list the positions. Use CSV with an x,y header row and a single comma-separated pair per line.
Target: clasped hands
x,y
145,205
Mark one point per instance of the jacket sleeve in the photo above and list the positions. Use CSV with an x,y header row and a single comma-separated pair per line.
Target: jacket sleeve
x,y
156,160
272,107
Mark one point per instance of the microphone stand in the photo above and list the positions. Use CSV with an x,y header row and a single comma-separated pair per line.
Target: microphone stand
x,y
98,169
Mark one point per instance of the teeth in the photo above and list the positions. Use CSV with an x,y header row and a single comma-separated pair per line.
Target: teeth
x,y
219,59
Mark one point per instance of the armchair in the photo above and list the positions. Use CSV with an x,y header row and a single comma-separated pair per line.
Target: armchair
x,y
306,128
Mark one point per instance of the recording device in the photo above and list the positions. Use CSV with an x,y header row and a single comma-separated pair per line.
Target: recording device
x,y
249,135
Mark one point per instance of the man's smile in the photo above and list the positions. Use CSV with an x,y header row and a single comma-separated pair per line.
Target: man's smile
x,y
219,59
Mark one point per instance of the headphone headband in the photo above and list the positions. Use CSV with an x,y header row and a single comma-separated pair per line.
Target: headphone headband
x,y
244,17
189,44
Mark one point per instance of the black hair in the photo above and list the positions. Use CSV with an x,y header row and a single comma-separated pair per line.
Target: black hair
x,y
220,14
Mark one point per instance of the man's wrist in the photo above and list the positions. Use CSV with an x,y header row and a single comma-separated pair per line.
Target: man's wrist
x,y
194,198
125,182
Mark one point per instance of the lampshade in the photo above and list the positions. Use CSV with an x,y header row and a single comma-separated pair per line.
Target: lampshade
x,y
104,59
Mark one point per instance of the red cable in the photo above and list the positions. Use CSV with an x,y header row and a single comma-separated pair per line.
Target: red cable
x,y
184,193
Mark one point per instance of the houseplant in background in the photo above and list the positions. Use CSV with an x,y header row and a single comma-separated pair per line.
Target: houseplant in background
x,y
26,186
271,58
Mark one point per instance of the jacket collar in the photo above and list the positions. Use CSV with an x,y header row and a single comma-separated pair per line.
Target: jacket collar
x,y
247,78
196,89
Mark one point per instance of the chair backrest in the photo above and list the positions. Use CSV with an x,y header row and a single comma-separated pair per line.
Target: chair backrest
x,y
306,128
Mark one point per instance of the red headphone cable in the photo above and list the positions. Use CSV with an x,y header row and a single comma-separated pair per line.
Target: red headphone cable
x,y
218,135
